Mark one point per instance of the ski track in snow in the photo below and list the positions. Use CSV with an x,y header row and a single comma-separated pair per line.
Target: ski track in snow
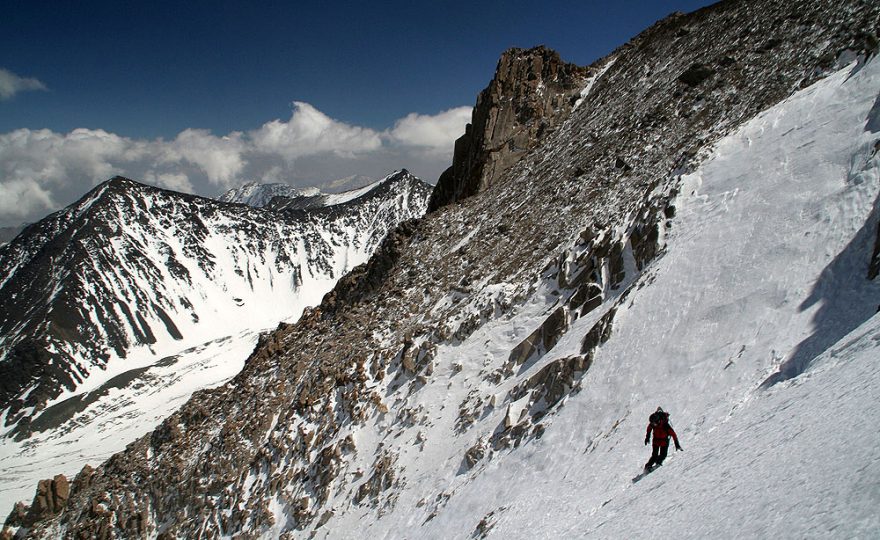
x,y
767,258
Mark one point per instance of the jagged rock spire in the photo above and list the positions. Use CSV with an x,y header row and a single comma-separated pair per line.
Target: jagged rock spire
x,y
531,90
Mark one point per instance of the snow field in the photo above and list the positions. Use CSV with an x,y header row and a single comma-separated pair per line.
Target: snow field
x,y
118,416
778,203
765,269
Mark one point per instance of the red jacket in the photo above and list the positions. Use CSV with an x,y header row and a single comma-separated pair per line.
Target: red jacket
x,y
661,432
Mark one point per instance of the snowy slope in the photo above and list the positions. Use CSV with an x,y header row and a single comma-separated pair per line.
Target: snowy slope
x,y
315,198
341,198
99,423
793,462
768,256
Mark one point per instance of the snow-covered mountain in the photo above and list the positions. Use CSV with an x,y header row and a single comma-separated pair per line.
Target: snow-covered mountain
x,y
283,197
137,297
132,274
347,183
259,195
689,222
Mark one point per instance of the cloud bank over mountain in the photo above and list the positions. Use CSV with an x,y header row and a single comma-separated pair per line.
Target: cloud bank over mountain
x,y
42,170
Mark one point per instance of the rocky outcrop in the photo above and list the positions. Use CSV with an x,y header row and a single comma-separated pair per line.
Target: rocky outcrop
x,y
49,500
542,339
531,91
51,496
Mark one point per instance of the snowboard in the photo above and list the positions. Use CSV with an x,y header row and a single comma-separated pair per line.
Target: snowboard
x,y
644,473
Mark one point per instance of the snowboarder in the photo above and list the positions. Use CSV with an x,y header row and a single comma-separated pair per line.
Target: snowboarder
x,y
659,425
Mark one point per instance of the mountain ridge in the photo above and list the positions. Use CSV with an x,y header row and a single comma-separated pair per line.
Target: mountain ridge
x,y
262,195
259,195
55,264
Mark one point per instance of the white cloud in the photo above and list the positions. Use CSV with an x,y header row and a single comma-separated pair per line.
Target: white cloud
x,y
41,169
54,158
435,133
219,157
20,199
11,84
309,132
47,157
174,181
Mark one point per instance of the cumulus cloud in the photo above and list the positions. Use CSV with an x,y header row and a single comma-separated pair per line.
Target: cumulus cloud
x,y
20,199
11,84
47,157
174,181
435,133
40,170
309,132
221,158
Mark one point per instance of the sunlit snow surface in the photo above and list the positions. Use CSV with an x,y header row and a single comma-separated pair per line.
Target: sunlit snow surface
x,y
765,269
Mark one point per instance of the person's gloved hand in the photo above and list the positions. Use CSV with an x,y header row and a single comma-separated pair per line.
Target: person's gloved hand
x,y
646,440
678,447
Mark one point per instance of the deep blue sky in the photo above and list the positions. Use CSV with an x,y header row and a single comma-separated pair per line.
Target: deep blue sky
x,y
151,69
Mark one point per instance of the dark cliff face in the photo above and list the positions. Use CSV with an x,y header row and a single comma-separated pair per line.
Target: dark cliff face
x,y
532,89
284,432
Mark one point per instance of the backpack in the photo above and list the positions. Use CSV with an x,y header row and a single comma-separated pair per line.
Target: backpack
x,y
658,416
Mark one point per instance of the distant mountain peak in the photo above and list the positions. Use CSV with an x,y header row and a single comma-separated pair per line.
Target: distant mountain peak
x,y
259,195
281,194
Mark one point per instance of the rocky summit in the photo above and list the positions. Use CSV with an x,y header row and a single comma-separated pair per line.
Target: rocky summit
x,y
687,222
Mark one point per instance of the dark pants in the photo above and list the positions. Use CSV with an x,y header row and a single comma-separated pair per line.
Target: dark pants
x,y
657,456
